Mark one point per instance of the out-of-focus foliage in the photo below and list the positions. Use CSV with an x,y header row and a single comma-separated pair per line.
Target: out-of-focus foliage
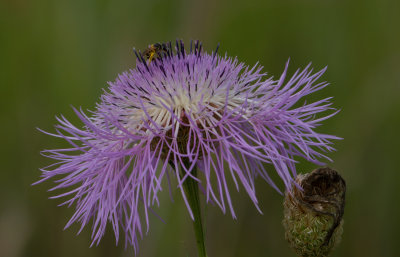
x,y
54,54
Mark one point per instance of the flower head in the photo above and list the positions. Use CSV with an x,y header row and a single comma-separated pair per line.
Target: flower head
x,y
177,111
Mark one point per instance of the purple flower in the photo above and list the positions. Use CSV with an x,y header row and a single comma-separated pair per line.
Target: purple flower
x,y
179,111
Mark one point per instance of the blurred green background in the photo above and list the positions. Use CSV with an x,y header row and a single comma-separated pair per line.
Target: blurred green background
x,y
54,54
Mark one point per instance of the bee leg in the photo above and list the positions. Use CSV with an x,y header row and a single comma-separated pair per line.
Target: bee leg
x,y
151,57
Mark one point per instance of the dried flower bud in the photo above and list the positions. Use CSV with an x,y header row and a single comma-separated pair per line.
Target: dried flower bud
x,y
313,213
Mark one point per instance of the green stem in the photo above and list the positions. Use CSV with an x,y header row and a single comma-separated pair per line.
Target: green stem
x,y
192,193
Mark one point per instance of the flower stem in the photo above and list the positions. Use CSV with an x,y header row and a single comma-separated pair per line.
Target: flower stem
x,y
192,192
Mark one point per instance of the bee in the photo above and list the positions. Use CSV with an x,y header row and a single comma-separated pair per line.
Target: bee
x,y
155,51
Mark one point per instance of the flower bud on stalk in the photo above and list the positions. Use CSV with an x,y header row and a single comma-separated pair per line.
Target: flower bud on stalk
x,y
313,211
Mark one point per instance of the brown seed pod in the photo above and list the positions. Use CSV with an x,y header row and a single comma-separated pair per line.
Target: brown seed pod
x,y
313,212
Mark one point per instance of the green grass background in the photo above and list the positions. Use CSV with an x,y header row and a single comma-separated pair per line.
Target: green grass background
x,y
58,53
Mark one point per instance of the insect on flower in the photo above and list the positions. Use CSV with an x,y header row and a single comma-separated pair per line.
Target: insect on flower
x,y
154,51
185,115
